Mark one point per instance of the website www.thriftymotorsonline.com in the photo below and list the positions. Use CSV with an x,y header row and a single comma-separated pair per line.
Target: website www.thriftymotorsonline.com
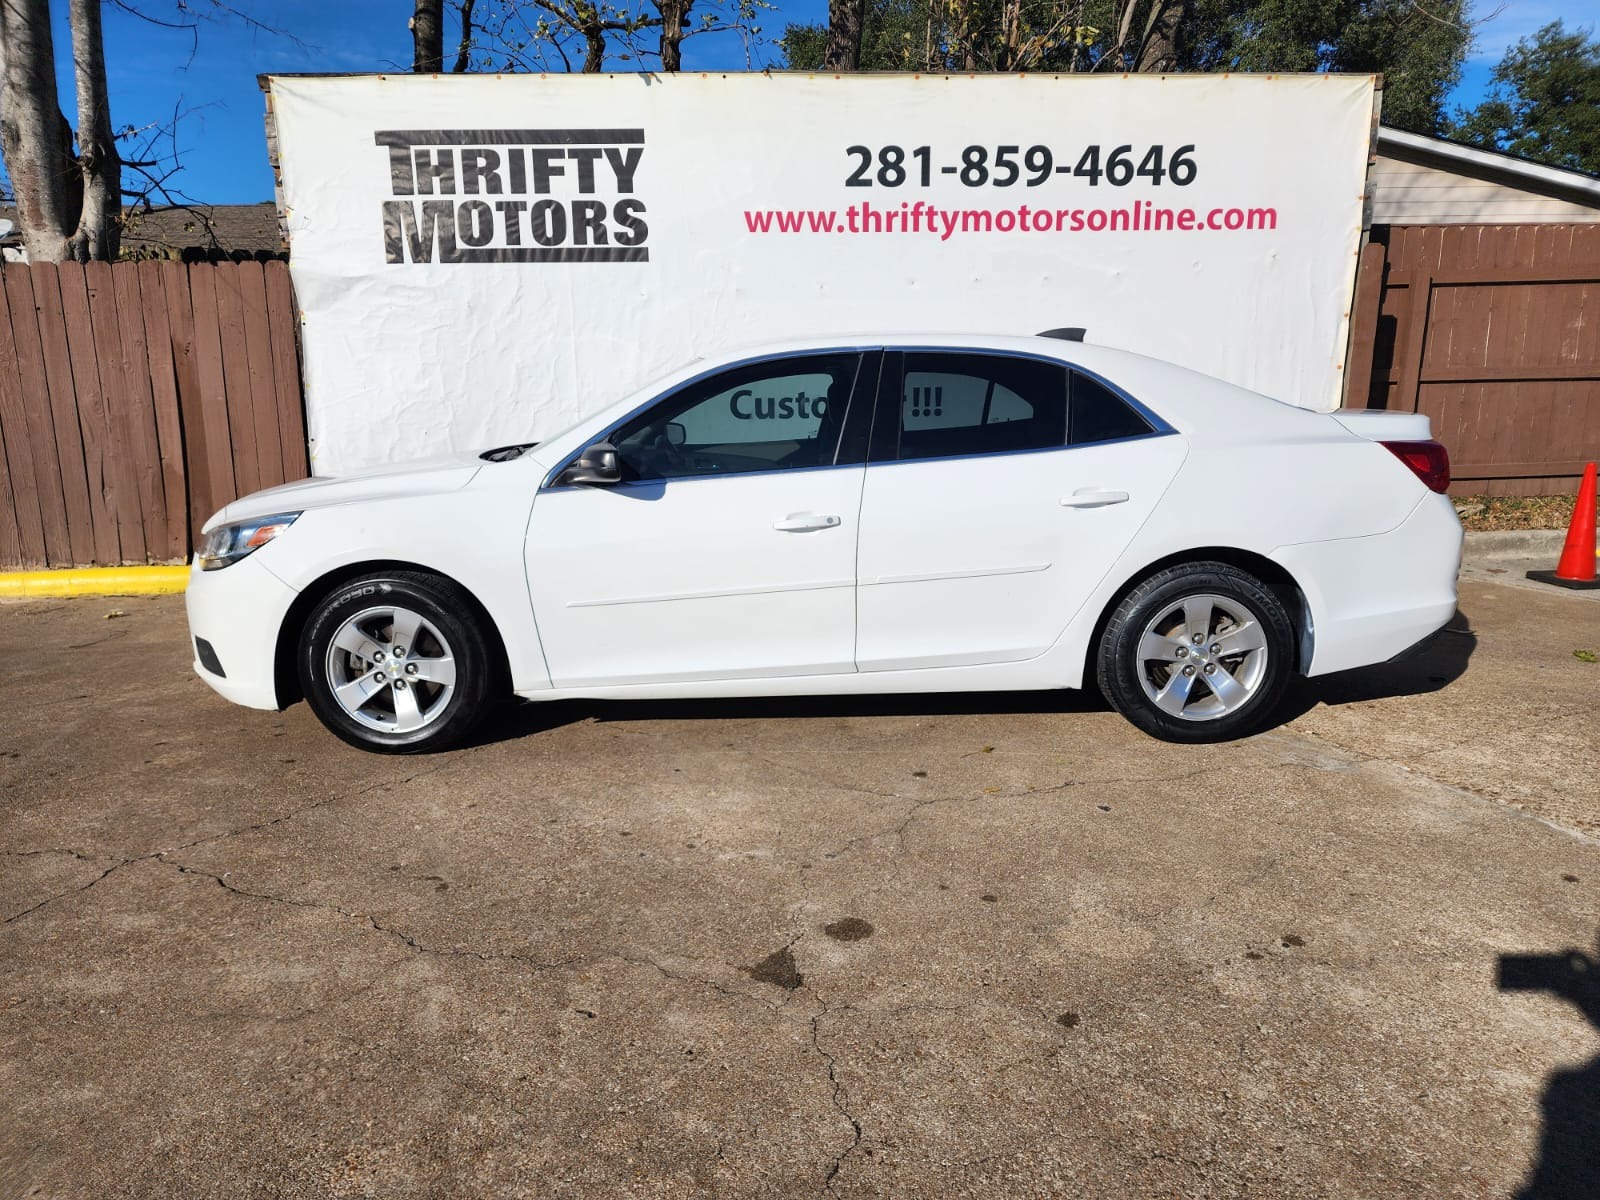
x,y
945,223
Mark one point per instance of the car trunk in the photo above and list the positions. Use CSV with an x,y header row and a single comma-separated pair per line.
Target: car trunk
x,y
1380,426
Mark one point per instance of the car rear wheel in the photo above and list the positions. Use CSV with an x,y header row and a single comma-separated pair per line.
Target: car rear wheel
x,y
396,662
1199,652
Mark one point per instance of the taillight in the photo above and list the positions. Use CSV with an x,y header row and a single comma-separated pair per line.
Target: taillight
x,y
1428,462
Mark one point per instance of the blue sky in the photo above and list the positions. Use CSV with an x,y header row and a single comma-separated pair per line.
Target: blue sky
x,y
155,72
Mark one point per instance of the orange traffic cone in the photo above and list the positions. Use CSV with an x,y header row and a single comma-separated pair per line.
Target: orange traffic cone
x,y
1576,567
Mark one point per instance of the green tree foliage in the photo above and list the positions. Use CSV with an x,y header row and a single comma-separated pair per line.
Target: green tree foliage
x,y
1544,104
1417,49
990,35
894,39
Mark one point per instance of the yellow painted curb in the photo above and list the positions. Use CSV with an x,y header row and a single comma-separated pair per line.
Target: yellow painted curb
x,y
93,581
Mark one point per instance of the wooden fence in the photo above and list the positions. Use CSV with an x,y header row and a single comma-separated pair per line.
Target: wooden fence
x,y
1494,332
137,398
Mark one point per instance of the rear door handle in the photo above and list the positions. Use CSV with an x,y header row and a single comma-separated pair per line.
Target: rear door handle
x,y
1093,498
805,522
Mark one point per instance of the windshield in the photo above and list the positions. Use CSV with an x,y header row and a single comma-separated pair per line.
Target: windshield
x,y
654,385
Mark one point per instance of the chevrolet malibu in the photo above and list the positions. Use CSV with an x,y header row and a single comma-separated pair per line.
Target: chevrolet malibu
x,y
851,515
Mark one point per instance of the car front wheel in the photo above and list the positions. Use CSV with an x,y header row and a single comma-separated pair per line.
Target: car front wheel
x,y
1200,652
396,663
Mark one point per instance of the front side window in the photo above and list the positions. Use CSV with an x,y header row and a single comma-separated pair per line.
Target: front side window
x,y
958,404
768,416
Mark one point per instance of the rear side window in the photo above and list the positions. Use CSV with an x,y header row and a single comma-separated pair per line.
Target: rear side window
x,y
956,404
1100,415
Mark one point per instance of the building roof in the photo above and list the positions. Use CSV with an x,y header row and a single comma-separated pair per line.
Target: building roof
x,y
201,231
231,228
1574,187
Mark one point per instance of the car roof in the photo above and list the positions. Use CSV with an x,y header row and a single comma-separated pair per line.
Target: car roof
x,y
1190,401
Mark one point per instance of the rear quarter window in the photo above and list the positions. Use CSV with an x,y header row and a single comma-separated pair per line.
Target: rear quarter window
x,y
1097,414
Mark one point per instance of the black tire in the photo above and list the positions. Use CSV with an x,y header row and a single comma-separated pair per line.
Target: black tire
x,y
451,641
1249,679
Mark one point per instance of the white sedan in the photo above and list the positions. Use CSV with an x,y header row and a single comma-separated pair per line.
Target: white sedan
x,y
849,515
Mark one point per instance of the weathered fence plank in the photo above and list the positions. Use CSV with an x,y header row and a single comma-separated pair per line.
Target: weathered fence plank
x,y
20,458
117,417
140,414
64,410
135,400
36,402
236,383
164,398
191,413
1489,330
284,318
213,398
91,415
10,545
258,368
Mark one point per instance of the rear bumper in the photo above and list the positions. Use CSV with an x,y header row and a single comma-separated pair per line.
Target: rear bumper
x,y
238,611
1373,598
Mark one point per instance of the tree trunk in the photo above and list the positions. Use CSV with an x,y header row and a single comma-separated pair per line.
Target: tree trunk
x,y
846,19
1159,51
1010,54
427,37
674,16
34,137
594,41
99,229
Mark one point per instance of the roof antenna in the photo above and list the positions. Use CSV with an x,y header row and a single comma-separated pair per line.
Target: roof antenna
x,y
1070,333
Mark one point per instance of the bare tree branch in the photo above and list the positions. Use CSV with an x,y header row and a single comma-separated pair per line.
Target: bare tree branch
x,y
220,10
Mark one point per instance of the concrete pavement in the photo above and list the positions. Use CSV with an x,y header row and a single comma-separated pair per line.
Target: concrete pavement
x,y
927,947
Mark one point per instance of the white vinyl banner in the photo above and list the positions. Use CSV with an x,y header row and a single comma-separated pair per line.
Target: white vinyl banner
x,y
484,259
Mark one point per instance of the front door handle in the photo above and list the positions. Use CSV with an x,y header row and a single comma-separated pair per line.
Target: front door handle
x,y
1093,498
805,522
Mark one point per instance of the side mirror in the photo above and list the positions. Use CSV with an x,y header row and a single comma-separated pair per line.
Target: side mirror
x,y
676,433
597,464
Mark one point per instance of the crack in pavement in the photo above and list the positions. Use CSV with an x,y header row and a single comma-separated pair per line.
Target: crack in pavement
x,y
370,921
113,636
73,891
730,993
77,854
817,777
898,831
205,841
839,1096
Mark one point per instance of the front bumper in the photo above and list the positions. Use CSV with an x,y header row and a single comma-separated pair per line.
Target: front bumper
x,y
238,611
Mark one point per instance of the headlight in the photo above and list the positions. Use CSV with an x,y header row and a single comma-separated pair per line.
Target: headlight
x,y
227,544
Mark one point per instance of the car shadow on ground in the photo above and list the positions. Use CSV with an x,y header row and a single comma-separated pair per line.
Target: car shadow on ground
x,y
1432,666
1568,1162
1429,667
521,719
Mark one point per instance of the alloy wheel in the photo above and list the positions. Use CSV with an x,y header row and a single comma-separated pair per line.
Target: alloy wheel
x,y
1202,656
391,669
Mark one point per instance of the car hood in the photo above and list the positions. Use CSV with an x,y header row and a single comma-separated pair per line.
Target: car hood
x,y
420,478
